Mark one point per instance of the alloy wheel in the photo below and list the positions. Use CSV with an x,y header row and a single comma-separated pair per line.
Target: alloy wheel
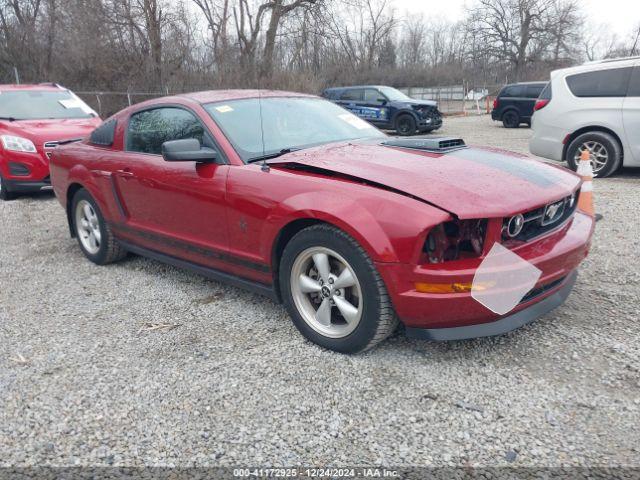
x,y
404,126
598,153
326,292
88,227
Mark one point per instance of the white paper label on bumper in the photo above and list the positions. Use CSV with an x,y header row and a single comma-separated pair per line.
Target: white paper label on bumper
x,y
503,279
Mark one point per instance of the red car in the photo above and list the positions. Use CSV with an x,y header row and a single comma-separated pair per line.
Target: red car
x,y
34,119
295,198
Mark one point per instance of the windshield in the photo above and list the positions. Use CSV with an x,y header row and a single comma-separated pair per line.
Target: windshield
x,y
288,124
394,95
38,105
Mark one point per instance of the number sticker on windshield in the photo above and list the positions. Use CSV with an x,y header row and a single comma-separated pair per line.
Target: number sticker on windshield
x,y
224,109
71,103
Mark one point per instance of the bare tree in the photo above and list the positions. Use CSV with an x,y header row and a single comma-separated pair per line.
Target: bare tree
x,y
564,27
513,31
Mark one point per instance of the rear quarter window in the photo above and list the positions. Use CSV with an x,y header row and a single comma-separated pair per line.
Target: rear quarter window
x,y
601,83
534,91
104,134
546,93
634,83
512,91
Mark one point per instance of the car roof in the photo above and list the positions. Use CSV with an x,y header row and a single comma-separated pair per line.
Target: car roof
x,y
540,82
214,96
607,64
357,86
52,87
211,96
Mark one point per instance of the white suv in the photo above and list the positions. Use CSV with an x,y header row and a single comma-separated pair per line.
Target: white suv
x,y
595,106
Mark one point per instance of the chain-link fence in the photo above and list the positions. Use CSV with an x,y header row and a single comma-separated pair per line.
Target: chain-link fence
x,y
457,99
108,103
452,100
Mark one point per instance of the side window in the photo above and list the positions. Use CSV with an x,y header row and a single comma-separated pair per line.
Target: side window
x,y
373,96
353,94
534,91
149,129
546,92
634,84
513,91
602,83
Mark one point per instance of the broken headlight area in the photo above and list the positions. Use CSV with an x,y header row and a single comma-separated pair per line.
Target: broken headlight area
x,y
455,240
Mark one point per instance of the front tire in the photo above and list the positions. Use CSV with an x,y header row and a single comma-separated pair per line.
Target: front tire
x,y
604,149
5,194
93,233
406,125
333,291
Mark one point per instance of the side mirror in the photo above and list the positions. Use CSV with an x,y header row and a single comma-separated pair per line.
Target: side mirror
x,y
187,150
382,101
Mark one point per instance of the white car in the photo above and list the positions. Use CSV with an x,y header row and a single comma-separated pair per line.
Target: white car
x,y
595,106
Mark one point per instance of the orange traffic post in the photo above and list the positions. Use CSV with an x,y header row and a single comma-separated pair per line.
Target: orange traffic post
x,y
585,201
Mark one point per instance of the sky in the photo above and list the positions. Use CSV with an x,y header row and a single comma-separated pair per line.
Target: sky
x,y
621,15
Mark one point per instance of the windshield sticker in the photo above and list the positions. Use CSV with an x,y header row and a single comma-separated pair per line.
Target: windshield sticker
x,y
75,102
354,121
71,103
224,109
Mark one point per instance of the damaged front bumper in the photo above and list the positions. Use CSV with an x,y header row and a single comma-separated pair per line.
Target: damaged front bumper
x,y
505,324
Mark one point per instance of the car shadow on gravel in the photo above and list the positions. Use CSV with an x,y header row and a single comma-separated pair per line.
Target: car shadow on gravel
x,y
38,196
631,173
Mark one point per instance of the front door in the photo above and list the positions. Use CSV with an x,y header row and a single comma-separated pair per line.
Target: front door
x,y
374,107
176,208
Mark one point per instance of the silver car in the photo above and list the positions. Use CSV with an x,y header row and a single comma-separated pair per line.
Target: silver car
x,y
596,107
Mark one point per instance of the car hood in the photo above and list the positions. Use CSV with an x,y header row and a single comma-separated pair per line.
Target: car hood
x,y
475,182
40,131
422,103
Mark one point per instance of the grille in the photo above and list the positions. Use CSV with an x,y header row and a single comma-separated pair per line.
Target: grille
x,y
542,220
536,292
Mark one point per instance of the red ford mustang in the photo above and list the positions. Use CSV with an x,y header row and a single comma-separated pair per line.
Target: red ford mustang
x,y
293,197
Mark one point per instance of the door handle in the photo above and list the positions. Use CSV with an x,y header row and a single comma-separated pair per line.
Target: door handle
x,y
125,172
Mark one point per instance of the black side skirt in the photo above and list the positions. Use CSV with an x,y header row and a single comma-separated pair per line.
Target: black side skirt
x,y
255,287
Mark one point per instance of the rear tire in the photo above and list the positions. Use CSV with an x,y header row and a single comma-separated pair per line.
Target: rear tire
x,y
406,125
343,306
606,152
93,233
5,194
511,119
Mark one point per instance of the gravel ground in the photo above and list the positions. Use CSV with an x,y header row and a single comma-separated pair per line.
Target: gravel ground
x,y
83,382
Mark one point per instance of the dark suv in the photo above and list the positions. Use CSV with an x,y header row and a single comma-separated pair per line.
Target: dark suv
x,y
514,104
388,108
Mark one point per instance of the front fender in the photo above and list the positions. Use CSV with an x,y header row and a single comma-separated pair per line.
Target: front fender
x,y
387,228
